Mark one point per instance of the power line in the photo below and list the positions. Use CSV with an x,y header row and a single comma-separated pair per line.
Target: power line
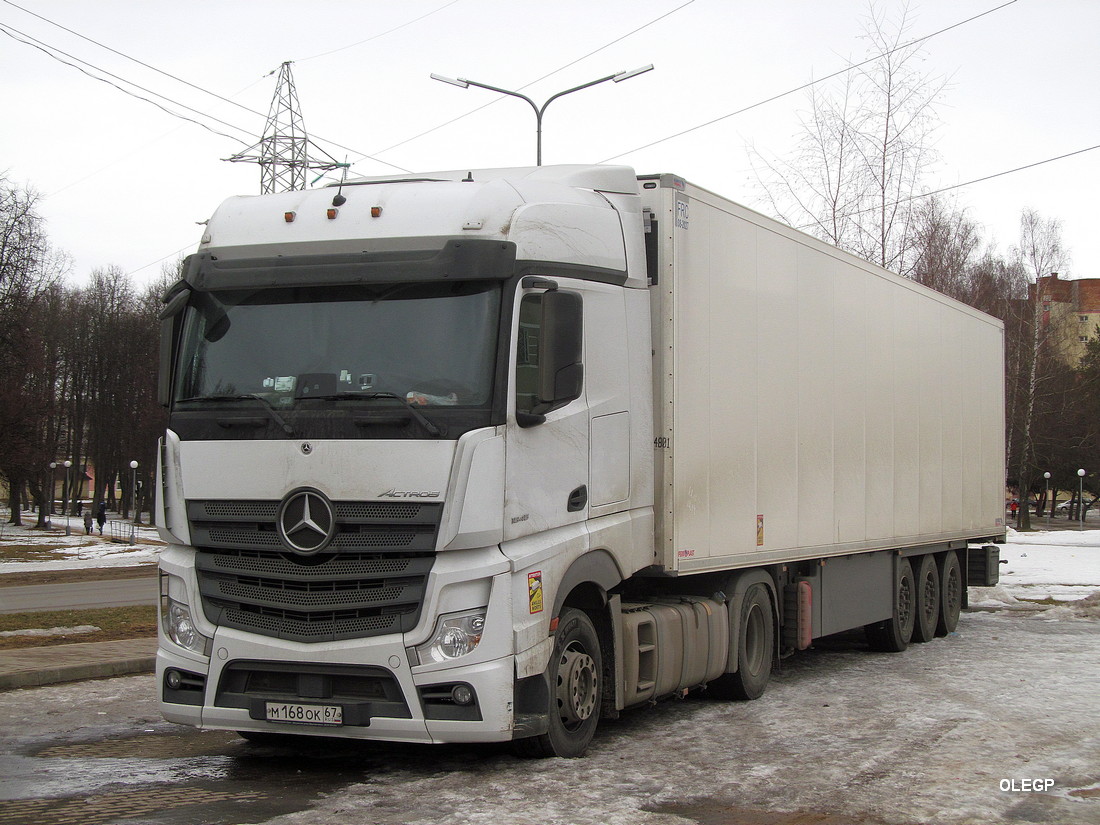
x,y
376,36
133,59
49,50
44,46
983,179
812,83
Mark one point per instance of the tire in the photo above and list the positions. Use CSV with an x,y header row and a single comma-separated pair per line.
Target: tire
x,y
892,635
575,678
755,649
951,594
928,600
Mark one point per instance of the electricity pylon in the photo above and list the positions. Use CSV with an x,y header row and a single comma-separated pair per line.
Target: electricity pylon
x,y
284,151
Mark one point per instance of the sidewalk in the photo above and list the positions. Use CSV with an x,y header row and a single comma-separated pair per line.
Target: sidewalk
x,y
33,666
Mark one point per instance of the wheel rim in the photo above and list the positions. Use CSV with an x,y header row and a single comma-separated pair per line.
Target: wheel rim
x,y
953,588
931,598
577,691
905,601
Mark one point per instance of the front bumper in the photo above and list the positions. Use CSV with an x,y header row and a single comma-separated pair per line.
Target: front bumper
x,y
381,696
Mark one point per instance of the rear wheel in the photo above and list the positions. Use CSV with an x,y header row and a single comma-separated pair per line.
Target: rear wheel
x,y
893,635
927,600
951,594
755,649
574,676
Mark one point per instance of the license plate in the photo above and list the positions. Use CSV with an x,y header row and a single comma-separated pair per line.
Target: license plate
x,y
305,714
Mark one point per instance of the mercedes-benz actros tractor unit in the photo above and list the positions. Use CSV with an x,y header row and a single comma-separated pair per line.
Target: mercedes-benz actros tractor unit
x,y
492,455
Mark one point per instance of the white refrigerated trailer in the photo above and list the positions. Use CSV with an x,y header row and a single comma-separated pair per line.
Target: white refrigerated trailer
x,y
491,455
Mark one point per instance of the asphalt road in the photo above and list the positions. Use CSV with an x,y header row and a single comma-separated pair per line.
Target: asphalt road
x,y
78,595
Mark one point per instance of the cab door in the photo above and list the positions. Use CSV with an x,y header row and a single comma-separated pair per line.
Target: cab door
x,y
547,475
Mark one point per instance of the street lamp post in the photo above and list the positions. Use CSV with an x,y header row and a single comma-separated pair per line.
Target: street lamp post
x,y
1050,504
53,488
133,488
65,498
618,77
1081,497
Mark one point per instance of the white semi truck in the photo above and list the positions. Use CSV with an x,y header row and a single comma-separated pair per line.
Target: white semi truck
x,y
492,455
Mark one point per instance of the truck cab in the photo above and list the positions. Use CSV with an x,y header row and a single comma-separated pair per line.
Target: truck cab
x,y
409,419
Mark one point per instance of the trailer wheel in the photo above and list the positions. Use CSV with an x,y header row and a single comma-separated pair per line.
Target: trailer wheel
x,y
575,689
755,649
951,590
892,635
927,599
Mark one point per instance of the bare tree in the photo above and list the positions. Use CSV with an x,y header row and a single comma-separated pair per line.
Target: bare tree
x,y
1039,253
864,150
30,274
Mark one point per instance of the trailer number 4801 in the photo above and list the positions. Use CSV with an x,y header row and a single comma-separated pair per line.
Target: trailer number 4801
x,y
662,443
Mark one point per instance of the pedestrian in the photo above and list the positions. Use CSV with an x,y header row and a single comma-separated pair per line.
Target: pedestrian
x,y
1014,507
88,520
101,516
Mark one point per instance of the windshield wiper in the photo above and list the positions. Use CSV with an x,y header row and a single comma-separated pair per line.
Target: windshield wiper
x,y
422,419
278,419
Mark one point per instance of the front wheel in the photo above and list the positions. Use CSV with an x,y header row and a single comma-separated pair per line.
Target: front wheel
x,y
574,675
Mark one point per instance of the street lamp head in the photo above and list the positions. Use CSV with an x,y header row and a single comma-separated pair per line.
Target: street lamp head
x,y
69,464
1081,473
1046,476
53,465
454,81
626,75
133,465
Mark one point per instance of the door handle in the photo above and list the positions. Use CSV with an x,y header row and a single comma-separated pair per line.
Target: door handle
x,y
578,499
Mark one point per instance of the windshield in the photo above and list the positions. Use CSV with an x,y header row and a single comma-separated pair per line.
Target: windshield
x,y
429,345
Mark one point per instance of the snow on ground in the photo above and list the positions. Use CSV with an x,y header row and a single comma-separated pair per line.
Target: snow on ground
x,y
52,631
1046,566
51,549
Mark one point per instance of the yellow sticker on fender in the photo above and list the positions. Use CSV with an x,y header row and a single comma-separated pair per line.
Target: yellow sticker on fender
x,y
534,591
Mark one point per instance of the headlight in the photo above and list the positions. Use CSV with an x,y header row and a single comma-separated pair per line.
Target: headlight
x,y
455,636
175,617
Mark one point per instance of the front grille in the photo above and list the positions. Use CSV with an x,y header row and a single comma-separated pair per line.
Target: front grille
x,y
369,581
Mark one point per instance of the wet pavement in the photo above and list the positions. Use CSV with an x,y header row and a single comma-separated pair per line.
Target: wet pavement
x,y
162,775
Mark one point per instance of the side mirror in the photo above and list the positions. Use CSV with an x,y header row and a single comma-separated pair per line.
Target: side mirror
x,y
560,369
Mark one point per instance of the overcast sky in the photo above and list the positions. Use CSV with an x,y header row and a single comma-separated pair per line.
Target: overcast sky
x,y
124,183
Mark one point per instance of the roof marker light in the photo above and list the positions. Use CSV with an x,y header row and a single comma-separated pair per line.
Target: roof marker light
x,y
332,212
289,217
376,211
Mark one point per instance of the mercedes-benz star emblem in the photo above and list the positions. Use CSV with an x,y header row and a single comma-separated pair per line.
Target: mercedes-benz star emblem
x,y
306,521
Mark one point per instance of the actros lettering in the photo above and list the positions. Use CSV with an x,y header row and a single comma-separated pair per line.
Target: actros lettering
x,y
395,493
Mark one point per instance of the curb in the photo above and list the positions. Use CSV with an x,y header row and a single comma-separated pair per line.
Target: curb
x,y
34,667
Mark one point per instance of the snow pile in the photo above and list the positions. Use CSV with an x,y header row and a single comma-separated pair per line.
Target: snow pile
x,y
1086,608
53,631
